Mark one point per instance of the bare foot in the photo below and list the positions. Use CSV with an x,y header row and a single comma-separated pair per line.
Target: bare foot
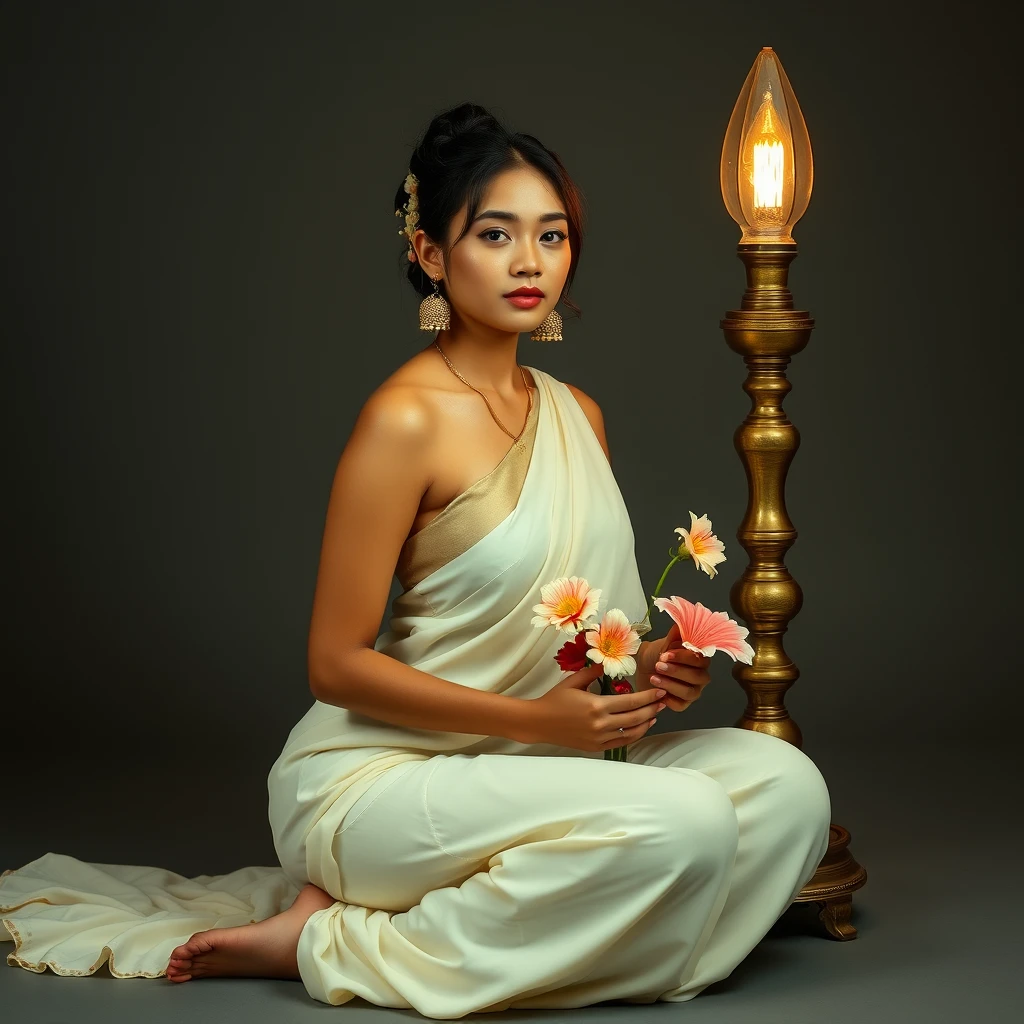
x,y
263,950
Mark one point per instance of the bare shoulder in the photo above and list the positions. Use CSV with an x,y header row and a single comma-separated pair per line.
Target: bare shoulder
x,y
403,405
593,413
397,415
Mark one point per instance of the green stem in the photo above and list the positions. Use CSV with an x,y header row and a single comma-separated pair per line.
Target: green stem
x,y
612,753
657,589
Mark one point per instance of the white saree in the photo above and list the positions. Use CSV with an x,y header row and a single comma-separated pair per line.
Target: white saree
x,y
471,577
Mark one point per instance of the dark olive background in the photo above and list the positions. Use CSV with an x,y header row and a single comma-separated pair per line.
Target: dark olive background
x,y
204,282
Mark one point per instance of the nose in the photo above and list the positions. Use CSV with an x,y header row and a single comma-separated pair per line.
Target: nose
x,y
529,265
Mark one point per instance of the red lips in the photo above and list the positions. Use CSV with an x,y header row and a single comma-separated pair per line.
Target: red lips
x,y
524,291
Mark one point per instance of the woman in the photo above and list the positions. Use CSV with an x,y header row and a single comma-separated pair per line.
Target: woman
x,y
451,837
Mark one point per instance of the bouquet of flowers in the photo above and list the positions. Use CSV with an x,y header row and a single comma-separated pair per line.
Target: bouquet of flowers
x,y
569,603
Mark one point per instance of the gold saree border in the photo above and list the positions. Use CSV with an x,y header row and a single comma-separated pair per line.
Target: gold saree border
x,y
471,515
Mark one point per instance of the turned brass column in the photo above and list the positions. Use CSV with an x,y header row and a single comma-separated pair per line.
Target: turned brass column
x,y
767,331
766,176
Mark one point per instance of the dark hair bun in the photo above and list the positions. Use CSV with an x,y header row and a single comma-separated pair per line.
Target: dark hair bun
x,y
449,128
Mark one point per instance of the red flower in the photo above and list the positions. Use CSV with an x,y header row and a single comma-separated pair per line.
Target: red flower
x,y
572,655
622,688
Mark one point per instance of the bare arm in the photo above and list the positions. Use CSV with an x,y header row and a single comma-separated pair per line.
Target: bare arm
x,y
380,480
381,687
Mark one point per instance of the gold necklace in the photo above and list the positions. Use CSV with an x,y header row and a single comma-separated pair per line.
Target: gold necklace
x,y
529,398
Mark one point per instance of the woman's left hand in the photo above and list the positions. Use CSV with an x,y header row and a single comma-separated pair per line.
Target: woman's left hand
x,y
684,676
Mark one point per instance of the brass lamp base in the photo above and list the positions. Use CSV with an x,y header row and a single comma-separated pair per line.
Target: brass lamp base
x,y
767,331
830,891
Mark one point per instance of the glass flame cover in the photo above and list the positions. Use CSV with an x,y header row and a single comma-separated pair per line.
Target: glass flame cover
x,y
767,170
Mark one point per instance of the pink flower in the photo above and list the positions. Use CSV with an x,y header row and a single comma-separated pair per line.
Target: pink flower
x,y
613,643
565,603
705,631
702,545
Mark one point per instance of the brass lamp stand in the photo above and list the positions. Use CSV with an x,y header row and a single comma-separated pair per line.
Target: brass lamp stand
x,y
766,185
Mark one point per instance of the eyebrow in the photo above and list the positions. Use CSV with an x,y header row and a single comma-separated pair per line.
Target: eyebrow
x,y
505,215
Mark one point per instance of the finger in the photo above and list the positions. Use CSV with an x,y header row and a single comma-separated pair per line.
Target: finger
x,y
636,699
684,656
676,703
627,736
698,677
684,673
631,719
676,687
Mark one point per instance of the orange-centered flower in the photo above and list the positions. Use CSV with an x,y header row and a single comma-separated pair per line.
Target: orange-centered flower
x,y
613,643
565,603
702,545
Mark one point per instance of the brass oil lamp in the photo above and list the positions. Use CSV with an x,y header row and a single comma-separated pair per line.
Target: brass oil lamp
x,y
766,178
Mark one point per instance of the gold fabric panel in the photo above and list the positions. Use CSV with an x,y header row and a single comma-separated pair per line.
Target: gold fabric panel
x,y
471,515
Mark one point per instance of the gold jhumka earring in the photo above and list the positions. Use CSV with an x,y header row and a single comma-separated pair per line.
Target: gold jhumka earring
x,y
549,329
435,313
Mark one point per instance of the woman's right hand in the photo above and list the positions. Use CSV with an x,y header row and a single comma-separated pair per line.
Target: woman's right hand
x,y
569,716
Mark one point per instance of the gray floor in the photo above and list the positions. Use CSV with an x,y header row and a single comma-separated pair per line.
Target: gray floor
x,y
938,924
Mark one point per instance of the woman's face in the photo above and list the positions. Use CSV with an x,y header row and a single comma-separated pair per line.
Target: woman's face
x,y
518,239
